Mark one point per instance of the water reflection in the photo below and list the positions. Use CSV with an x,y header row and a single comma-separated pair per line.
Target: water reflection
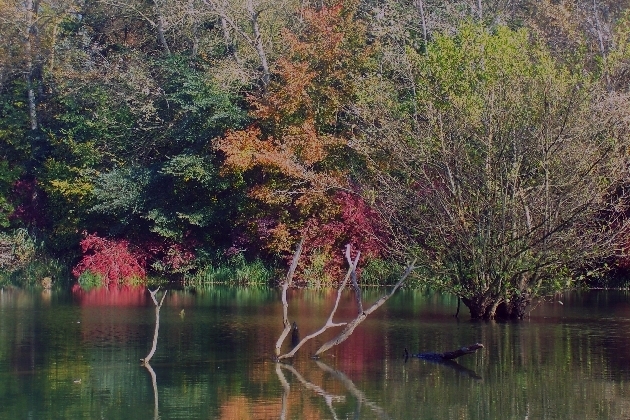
x,y
156,405
565,361
352,389
328,397
462,370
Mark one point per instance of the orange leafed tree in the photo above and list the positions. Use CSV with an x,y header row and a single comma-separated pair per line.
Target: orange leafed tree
x,y
295,154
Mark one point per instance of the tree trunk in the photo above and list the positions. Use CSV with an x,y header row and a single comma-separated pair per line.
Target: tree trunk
x,y
160,28
478,306
420,6
515,308
28,47
258,42
492,308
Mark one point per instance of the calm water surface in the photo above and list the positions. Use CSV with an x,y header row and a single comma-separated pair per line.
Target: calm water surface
x,y
76,355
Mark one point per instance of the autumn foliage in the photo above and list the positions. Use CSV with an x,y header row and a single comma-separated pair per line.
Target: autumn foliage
x,y
295,156
114,261
356,224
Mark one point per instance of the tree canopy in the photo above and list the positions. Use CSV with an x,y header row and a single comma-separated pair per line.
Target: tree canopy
x,y
486,139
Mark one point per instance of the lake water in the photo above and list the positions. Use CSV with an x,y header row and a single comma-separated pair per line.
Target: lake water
x,y
76,355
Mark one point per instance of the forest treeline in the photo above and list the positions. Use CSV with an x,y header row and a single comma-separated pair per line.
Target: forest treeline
x,y
485,138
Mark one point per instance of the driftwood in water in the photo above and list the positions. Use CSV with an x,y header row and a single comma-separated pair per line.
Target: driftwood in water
x,y
448,359
348,326
449,355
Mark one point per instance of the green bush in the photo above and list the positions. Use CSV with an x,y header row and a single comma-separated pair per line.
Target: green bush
x,y
236,270
33,272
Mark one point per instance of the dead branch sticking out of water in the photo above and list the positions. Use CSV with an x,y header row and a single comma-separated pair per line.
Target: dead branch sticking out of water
x,y
349,326
158,306
145,361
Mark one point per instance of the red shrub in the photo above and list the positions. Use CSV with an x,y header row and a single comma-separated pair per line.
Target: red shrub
x,y
112,260
357,224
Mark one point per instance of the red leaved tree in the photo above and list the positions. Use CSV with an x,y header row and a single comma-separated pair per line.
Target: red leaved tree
x,y
114,261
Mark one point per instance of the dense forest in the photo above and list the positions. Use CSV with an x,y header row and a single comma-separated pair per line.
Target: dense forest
x,y
485,138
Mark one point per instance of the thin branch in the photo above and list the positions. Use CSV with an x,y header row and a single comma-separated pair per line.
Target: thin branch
x,y
355,283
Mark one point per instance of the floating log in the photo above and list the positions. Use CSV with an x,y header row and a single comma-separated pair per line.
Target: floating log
x,y
449,355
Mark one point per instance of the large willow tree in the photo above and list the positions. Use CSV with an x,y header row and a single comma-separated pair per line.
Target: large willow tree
x,y
499,186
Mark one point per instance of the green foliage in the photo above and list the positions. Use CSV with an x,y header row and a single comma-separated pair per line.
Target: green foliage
x,y
503,126
89,280
14,140
120,192
8,176
235,270
35,270
17,249
379,272
195,108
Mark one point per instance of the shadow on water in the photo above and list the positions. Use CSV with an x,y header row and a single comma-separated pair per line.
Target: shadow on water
x,y
462,370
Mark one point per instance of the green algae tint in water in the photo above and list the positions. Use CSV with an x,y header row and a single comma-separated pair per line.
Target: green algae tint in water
x,y
77,356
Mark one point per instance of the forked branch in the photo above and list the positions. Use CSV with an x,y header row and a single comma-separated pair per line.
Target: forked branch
x,y
158,306
349,327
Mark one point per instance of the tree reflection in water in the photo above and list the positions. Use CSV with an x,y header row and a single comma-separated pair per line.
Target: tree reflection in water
x,y
156,410
329,398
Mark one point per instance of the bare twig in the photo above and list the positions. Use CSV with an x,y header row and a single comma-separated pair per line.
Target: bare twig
x,y
355,283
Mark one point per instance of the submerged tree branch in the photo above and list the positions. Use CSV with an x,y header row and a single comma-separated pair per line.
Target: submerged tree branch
x,y
349,327
329,322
